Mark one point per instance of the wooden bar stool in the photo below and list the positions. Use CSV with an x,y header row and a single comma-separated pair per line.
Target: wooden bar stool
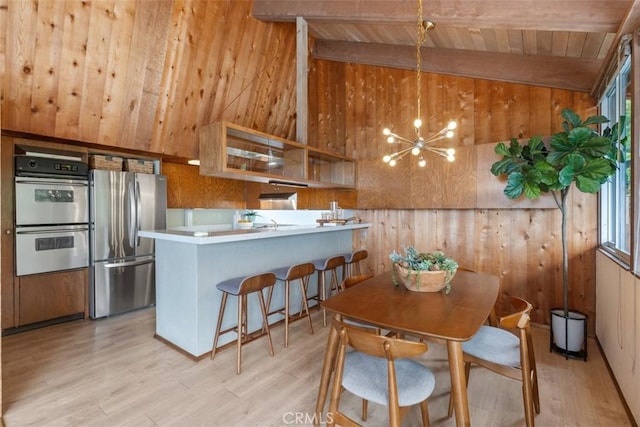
x,y
352,263
322,266
241,287
302,273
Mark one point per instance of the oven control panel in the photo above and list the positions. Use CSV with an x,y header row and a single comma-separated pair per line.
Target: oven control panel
x,y
46,166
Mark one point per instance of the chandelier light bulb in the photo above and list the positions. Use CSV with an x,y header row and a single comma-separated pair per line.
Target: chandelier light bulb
x,y
391,140
415,151
452,125
422,162
392,163
451,152
386,131
451,158
386,158
417,123
449,134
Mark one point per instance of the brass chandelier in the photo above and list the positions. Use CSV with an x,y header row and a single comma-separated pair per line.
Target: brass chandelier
x,y
420,144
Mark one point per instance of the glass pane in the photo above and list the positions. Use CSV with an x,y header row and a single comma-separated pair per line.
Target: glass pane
x,y
615,195
324,167
254,153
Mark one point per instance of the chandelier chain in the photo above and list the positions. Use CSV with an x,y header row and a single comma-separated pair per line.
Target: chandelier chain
x,y
419,41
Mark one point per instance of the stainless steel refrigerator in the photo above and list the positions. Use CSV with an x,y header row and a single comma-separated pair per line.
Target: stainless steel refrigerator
x,y
123,263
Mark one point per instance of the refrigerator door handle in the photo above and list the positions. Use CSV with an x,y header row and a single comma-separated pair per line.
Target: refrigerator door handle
x,y
138,210
133,215
128,263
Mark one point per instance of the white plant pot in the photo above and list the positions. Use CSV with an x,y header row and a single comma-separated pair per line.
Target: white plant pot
x,y
569,332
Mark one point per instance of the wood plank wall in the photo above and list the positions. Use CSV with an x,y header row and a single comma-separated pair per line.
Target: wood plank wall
x,y
523,246
145,75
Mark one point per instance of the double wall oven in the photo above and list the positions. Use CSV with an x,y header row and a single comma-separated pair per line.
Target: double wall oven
x,y
52,218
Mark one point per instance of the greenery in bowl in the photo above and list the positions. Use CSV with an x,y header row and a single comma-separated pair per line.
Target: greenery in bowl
x,y
416,261
251,215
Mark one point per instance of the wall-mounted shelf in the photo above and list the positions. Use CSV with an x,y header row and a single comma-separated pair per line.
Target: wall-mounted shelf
x,y
231,151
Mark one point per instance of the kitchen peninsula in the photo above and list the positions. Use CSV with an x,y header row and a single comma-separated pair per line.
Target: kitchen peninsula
x,y
191,262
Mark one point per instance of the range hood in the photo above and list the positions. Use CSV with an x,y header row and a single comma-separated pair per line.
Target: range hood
x,y
279,201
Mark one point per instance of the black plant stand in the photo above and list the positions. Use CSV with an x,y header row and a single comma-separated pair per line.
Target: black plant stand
x,y
582,353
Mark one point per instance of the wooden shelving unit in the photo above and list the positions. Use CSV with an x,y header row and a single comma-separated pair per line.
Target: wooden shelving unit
x,y
231,151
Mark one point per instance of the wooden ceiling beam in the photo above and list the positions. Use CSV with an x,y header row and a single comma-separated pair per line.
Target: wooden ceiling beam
x,y
545,15
629,24
549,71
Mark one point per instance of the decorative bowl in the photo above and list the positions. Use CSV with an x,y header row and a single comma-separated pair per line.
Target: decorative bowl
x,y
245,225
424,280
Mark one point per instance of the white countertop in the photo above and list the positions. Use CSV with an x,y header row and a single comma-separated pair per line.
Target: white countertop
x,y
203,235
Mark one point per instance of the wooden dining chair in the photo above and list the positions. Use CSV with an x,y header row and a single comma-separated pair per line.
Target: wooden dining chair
x,y
350,282
379,369
353,280
507,353
492,320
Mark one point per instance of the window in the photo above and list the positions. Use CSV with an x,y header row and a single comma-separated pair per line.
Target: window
x,y
615,195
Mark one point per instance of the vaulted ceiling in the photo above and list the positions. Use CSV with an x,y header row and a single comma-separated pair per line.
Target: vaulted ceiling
x,y
566,44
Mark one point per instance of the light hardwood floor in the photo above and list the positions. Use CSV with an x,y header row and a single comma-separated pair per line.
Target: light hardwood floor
x,y
113,372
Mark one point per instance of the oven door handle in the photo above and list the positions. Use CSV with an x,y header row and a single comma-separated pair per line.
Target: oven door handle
x,y
64,183
52,230
128,263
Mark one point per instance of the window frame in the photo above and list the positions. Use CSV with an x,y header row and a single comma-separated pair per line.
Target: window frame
x,y
609,213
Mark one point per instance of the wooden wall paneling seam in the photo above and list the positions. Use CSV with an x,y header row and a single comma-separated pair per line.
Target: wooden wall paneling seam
x,y
498,96
539,112
211,75
196,60
176,34
47,70
519,244
482,112
152,90
381,115
285,94
375,77
179,119
70,72
463,111
19,61
241,85
280,117
144,73
122,18
352,132
263,78
95,75
521,105
135,73
216,64
583,227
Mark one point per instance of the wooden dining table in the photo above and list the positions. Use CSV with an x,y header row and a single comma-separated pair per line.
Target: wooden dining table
x,y
453,317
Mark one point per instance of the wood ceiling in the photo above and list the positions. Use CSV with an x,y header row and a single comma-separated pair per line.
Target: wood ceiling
x,y
564,44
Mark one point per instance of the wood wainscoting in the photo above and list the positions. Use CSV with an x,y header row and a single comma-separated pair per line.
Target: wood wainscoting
x,y
521,246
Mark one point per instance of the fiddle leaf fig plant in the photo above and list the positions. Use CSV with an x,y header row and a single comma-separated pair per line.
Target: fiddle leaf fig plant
x,y
578,154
